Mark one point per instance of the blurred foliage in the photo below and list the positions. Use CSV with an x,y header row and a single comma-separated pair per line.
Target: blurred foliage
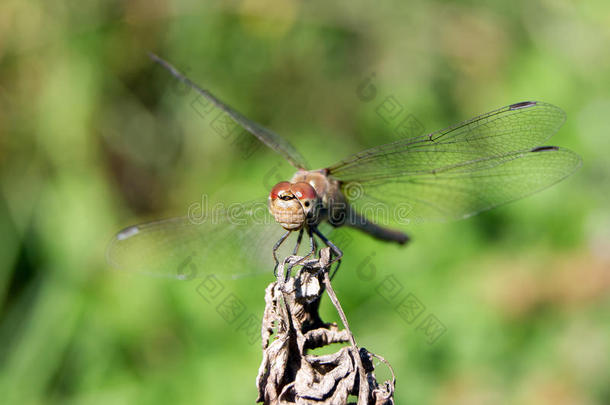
x,y
94,136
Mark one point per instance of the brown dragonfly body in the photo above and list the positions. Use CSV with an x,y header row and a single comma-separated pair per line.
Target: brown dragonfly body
x,y
312,196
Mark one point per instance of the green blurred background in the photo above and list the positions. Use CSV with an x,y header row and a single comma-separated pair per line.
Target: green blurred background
x,y
94,137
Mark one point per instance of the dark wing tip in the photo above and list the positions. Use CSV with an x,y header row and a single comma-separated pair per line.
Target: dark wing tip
x,y
404,240
544,148
523,104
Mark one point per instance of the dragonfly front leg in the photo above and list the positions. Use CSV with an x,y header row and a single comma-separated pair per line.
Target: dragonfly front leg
x,y
296,248
275,248
312,245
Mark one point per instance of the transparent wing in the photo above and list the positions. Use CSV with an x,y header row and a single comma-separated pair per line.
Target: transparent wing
x,y
228,243
459,171
266,136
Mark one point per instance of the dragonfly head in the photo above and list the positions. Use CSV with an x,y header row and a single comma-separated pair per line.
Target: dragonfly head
x,y
292,204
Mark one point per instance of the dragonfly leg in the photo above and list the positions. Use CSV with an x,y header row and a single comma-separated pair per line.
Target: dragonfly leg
x,y
312,244
336,269
296,248
275,248
338,253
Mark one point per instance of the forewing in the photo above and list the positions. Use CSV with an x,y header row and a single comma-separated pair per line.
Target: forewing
x,y
227,243
266,136
462,170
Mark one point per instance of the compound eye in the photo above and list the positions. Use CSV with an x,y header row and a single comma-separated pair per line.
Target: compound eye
x,y
281,189
303,191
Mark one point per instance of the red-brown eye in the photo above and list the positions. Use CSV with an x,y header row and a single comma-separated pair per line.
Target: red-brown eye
x,y
280,188
303,191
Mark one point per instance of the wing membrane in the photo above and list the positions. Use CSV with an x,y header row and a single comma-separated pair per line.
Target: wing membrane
x,y
266,136
462,170
226,243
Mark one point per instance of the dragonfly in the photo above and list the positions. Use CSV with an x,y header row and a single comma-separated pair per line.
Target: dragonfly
x,y
453,173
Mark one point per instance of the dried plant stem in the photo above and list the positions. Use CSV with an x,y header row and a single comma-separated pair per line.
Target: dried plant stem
x,y
292,326
364,388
